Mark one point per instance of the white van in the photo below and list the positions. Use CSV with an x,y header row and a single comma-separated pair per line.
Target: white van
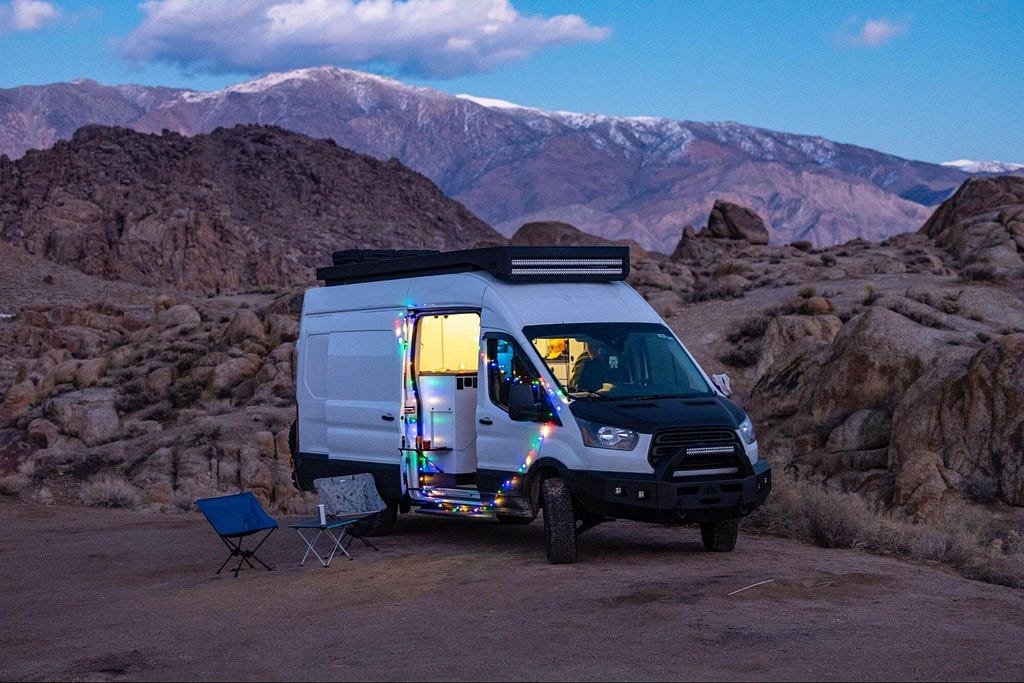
x,y
497,382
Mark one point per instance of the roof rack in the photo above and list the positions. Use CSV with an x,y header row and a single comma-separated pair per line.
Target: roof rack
x,y
512,264
347,256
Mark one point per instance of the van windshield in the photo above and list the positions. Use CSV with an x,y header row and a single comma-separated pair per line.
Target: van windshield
x,y
617,360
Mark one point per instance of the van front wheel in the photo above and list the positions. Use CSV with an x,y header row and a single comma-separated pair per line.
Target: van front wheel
x,y
720,536
559,522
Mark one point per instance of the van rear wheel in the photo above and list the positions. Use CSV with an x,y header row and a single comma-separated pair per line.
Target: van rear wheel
x,y
720,536
559,522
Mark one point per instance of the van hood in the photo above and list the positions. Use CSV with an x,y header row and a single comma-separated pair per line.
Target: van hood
x,y
649,415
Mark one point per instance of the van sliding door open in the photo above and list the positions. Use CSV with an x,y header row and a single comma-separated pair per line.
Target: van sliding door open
x,y
441,400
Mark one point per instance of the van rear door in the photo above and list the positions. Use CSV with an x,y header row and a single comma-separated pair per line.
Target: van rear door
x,y
362,389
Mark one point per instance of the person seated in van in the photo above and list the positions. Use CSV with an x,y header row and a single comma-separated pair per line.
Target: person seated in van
x,y
557,350
591,368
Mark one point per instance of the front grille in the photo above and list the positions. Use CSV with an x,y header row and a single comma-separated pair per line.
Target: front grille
x,y
697,448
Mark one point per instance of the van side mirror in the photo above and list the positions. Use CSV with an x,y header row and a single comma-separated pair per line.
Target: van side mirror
x,y
521,406
723,384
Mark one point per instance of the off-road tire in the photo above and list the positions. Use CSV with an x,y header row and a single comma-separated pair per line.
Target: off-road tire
x,y
559,522
380,524
720,536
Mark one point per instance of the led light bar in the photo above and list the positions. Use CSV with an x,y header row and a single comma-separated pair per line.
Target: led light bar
x,y
710,450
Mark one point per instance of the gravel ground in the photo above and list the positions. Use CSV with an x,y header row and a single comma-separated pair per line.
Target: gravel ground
x,y
98,595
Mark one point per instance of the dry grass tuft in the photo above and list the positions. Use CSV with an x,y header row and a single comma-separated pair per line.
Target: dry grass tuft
x,y
110,490
975,547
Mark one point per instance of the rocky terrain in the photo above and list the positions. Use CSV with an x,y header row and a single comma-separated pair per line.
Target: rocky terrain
x,y
238,209
894,370
636,178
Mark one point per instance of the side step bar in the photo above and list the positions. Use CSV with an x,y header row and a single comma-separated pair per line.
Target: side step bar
x,y
455,502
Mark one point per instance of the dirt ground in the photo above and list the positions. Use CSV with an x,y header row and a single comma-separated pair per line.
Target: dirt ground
x,y
98,595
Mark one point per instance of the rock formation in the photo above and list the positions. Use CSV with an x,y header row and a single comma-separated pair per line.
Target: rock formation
x,y
236,210
982,225
734,222
892,369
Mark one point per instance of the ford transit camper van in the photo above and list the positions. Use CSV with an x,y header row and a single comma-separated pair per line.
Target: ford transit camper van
x,y
502,382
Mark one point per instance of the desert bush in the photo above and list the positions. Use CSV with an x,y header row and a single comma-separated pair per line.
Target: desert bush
x,y
806,511
871,294
952,546
835,520
14,485
980,489
185,392
974,546
980,273
754,326
110,490
742,356
732,267
707,291
807,291
130,397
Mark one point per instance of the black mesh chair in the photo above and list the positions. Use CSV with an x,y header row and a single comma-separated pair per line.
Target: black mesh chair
x,y
235,518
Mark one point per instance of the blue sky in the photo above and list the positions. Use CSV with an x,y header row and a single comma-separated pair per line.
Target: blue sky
x,y
934,80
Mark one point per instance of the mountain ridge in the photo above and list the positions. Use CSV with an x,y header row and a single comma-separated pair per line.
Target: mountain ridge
x,y
641,178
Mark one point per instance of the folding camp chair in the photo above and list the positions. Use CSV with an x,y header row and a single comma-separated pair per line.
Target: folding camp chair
x,y
233,518
351,496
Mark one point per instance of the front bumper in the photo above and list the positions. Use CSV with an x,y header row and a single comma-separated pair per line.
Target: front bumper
x,y
681,500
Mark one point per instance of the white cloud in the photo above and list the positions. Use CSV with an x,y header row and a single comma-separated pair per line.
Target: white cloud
x,y
422,37
873,32
26,15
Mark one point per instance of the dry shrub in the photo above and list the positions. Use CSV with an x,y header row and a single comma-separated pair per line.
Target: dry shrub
x,y
871,294
806,511
807,291
185,392
742,356
837,520
753,327
708,290
981,272
14,485
110,490
974,546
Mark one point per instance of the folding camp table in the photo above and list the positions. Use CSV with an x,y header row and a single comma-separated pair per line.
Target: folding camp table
x,y
310,531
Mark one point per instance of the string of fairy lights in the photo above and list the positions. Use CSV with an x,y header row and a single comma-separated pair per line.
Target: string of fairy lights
x,y
425,466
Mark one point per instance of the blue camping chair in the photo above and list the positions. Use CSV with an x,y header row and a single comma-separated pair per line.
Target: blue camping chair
x,y
233,518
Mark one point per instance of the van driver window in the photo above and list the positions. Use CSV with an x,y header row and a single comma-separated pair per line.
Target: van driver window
x,y
505,367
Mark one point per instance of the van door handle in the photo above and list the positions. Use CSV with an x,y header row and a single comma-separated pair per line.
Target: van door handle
x,y
388,418
485,421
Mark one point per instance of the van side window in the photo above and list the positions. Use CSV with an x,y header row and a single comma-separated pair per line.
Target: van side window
x,y
507,365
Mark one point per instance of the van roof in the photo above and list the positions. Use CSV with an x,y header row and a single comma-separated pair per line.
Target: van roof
x,y
511,264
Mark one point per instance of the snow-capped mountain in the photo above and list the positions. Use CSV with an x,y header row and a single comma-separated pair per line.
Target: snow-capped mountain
x,y
636,178
968,166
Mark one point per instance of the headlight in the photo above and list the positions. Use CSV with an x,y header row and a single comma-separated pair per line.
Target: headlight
x,y
606,436
746,430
